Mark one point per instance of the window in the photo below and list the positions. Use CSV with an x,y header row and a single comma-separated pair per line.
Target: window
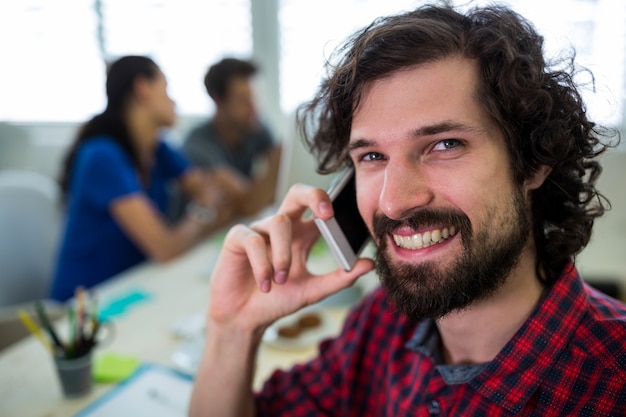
x,y
310,31
53,52
183,36
596,28
51,68
54,67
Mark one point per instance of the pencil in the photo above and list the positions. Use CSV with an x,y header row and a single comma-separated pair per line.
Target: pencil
x,y
34,329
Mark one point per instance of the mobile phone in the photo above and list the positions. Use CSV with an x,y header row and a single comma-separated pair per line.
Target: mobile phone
x,y
345,233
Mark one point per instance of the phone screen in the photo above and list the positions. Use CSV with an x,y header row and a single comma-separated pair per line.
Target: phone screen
x,y
348,217
345,232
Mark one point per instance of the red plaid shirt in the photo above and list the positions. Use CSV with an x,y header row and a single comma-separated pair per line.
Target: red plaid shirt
x,y
568,359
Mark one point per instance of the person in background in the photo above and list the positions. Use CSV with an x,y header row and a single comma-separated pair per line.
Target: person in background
x,y
115,179
234,145
475,166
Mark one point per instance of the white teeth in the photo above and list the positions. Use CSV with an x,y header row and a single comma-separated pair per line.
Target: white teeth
x,y
424,240
416,241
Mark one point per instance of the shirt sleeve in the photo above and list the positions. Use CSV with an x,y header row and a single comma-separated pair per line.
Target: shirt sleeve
x,y
307,389
338,382
104,172
174,163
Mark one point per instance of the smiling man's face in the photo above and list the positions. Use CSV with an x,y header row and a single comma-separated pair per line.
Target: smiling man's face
x,y
434,185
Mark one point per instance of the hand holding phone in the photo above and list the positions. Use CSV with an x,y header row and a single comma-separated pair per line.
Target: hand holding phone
x,y
345,233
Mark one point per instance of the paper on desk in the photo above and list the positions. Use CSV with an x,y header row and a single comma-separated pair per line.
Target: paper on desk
x,y
154,391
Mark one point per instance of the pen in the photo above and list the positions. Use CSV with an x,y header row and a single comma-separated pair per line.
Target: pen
x,y
95,324
34,329
45,322
71,346
87,323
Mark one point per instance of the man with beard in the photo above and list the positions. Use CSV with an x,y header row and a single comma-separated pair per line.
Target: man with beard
x,y
234,146
475,174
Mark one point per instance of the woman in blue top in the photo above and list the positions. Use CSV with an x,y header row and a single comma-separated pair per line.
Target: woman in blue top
x,y
115,180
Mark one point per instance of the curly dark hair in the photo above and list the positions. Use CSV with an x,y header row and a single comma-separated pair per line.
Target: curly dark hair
x,y
537,106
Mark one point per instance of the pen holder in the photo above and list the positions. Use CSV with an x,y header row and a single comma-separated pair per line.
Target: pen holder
x,y
75,375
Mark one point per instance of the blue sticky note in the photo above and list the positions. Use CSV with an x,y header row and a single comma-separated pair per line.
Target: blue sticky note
x,y
121,304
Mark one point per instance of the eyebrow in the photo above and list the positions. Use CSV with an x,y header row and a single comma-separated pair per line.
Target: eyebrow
x,y
429,130
441,128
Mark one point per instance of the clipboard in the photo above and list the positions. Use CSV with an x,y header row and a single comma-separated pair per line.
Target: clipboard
x,y
153,390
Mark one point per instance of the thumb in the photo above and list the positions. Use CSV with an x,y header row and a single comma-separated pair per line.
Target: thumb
x,y
337,280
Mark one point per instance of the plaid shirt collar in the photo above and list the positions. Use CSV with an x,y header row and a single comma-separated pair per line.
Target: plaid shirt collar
x,y
551,325
427,340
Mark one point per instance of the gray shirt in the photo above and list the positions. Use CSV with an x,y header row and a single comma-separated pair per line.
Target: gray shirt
x,y
204,148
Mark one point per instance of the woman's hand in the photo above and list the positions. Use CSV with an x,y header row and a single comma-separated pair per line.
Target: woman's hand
x,y
261,274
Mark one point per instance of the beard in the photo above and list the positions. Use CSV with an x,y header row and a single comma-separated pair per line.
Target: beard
x,y
431,290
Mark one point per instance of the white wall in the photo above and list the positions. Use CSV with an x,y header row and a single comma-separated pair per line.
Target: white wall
x,y
605,256
41,147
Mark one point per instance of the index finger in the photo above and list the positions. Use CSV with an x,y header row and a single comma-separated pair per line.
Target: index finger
x,y
301,197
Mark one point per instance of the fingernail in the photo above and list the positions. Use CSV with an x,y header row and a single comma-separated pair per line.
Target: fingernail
x,y
265,286
280,277
325,208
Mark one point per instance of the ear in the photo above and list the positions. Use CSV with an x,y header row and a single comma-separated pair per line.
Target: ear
x,y
141,87
537,179
219,102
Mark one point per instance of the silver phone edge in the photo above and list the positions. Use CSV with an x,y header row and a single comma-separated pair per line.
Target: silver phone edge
x,y
337,242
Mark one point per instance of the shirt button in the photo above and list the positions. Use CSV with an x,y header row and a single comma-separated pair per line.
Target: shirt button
x,y
434,408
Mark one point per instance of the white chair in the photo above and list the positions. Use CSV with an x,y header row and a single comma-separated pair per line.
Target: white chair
x,y
15,147
29,235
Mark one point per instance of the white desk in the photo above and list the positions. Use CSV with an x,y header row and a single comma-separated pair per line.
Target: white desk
x,y
179,289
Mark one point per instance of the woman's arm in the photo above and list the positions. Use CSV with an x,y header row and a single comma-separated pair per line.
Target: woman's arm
x,y
149,230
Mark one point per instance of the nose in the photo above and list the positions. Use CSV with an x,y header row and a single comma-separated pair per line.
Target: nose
x,y
405,188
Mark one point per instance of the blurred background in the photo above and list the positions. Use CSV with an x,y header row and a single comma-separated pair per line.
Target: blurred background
x,y
54,53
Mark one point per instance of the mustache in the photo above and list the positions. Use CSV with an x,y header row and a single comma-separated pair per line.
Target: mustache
x,y
383,225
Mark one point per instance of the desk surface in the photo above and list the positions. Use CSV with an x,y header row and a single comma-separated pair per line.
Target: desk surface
x,y
179,289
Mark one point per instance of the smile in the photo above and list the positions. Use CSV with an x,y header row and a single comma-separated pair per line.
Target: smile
x,y
424,240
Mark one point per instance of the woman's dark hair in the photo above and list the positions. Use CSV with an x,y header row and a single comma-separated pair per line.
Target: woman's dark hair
x,y
121,75
538,108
